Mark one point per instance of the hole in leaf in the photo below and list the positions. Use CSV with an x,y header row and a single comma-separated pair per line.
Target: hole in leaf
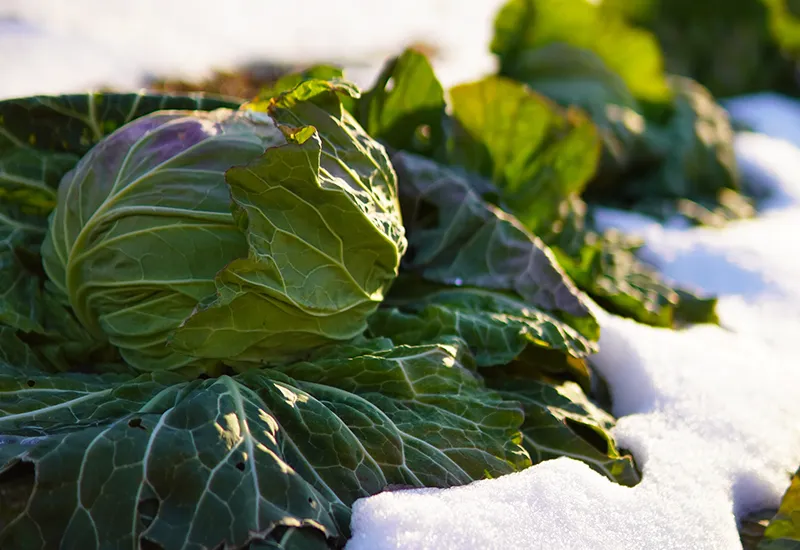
x,y
588,434
240,466
147,544
148,510
389,85
31,383
136,423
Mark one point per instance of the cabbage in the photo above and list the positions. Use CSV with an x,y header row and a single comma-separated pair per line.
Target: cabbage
x,y
191,241
166,251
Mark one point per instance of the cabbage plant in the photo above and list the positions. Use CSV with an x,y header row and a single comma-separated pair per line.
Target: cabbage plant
x,y
150,242
188,238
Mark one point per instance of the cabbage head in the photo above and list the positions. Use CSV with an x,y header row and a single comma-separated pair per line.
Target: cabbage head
x,y
195,239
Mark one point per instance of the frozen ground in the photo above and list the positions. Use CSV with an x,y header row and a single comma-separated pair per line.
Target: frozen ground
x,y
710,413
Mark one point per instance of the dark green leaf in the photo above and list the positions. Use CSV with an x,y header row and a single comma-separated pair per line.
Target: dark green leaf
x,y
29,306
16,354
456,238
20,292
606,267
561,421
696,146
114,460
497,327
453,429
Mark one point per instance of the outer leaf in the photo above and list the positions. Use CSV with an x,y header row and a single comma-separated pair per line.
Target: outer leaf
x,y
102,462
324,233
20,294
453,429
406,106
606,267
662,157
561,421
161,464
16,354
42,137
29,306
535,154
783,532
458,239
497,327
632,53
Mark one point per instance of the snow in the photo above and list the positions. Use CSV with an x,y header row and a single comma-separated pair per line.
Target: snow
x,y
710,413
69,45
768,113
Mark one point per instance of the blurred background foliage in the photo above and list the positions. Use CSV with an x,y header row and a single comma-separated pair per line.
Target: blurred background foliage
x,y
732,47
